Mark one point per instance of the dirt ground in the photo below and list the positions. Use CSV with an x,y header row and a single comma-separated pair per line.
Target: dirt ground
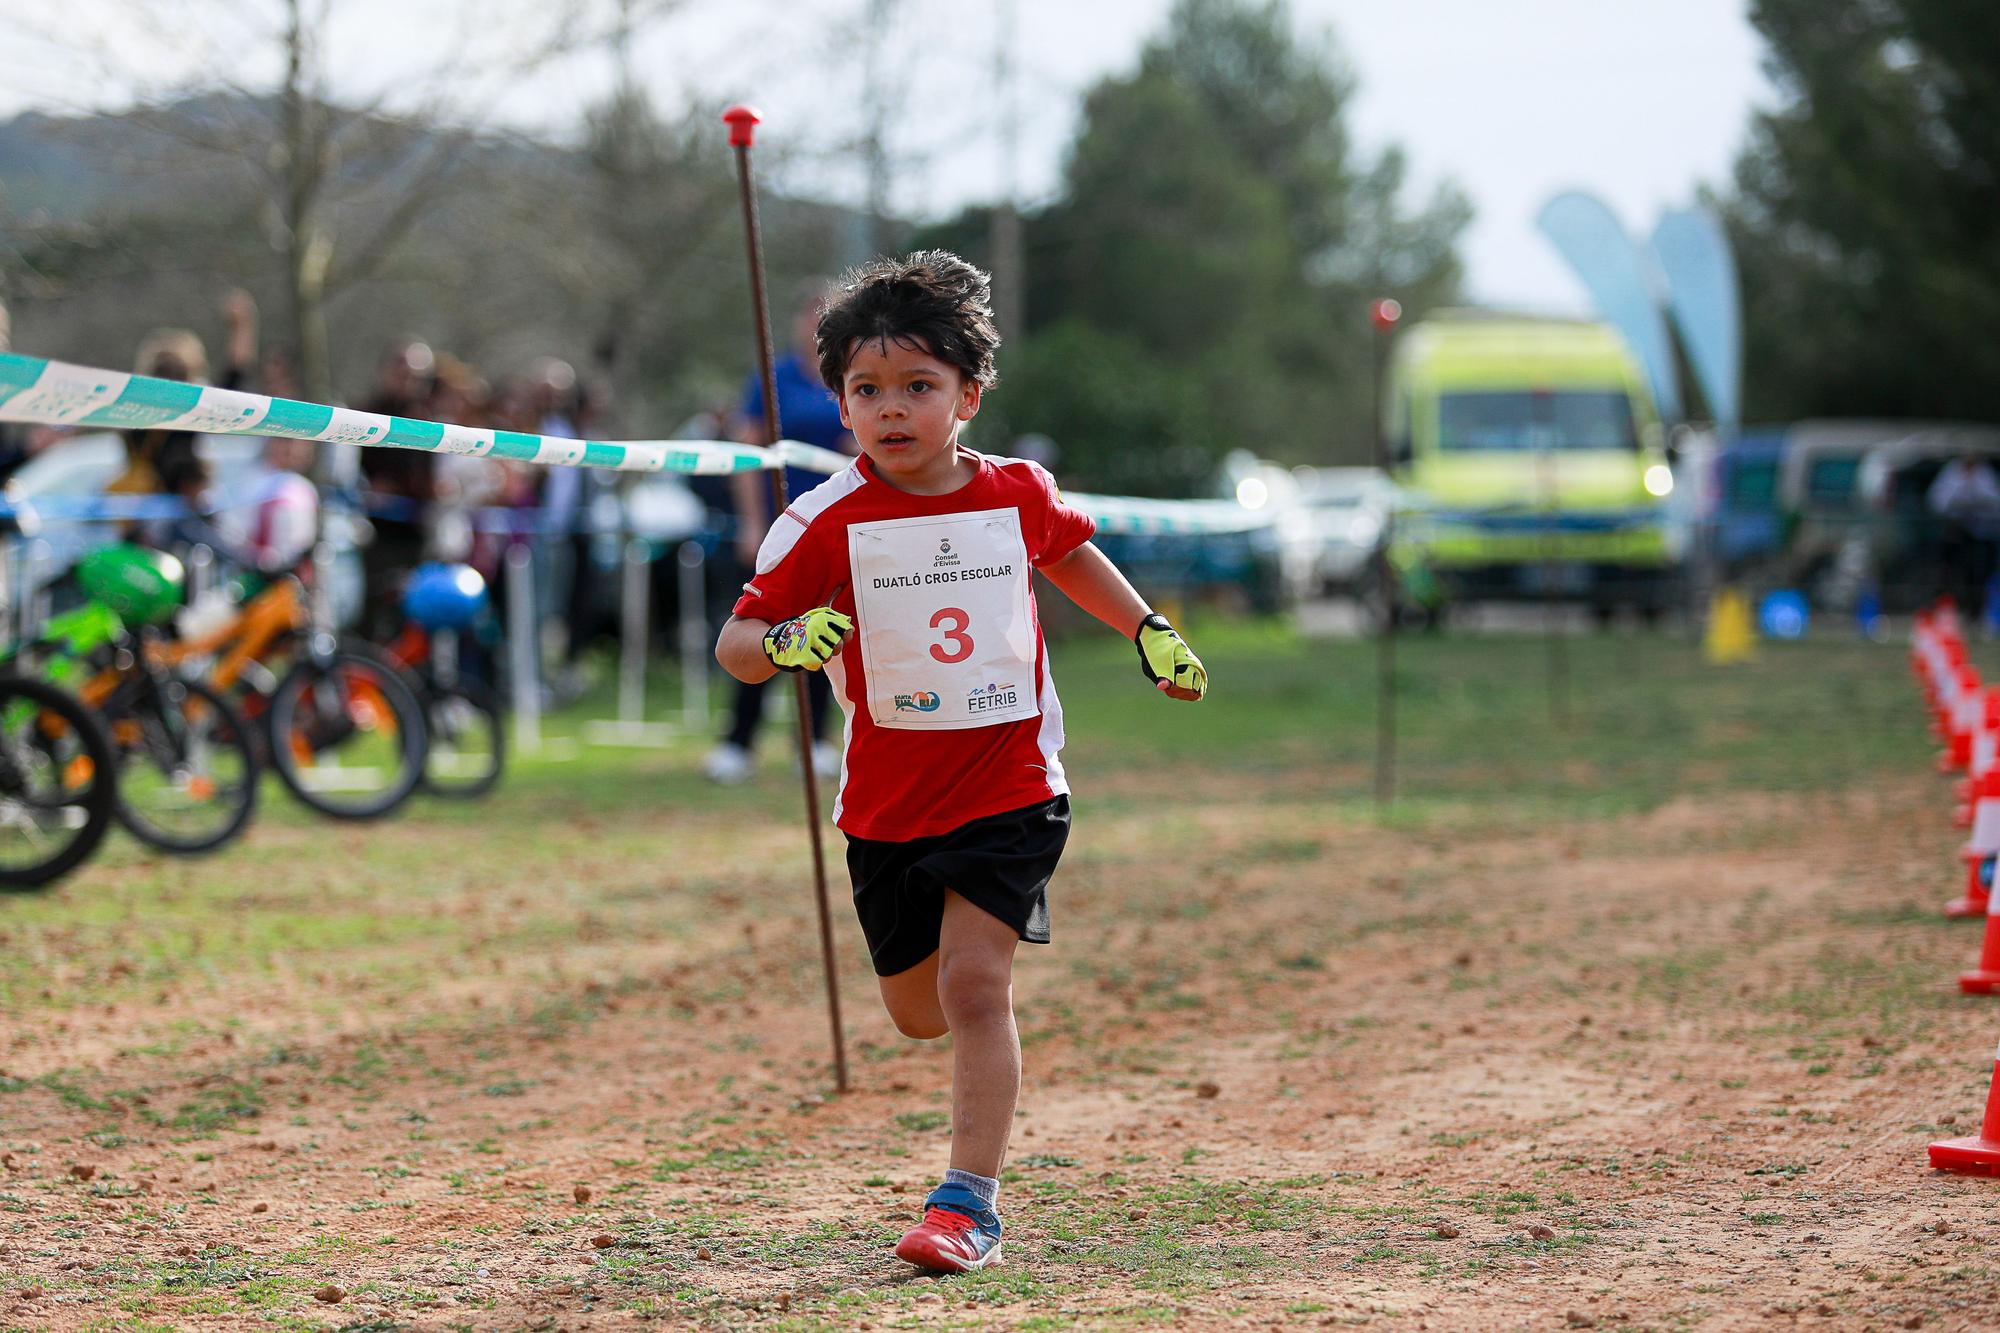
x,y
1283,1069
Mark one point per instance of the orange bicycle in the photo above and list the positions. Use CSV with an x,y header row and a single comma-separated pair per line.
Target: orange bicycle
x,y
346,734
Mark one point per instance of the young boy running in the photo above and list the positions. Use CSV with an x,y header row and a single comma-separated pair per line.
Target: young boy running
x,y
907,579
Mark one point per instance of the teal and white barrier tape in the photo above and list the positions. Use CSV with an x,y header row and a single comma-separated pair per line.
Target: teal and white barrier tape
x,y
56,393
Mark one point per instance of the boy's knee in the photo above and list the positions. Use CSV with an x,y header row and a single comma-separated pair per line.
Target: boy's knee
x,y
975,987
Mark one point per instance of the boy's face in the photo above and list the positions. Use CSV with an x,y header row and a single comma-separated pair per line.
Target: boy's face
x,y
905,407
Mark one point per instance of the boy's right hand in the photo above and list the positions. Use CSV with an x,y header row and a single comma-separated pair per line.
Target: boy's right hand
x,y
808,641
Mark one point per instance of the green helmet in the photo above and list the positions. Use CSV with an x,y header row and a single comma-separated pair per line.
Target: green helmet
x,y
143,586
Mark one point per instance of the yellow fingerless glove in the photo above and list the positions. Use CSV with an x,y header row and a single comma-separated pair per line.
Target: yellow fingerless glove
x,y
808,641
1165,657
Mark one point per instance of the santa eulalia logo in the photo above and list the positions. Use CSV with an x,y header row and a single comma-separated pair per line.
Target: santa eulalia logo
x,y
922,701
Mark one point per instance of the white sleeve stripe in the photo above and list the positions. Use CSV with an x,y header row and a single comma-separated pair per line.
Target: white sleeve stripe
x,y
782,537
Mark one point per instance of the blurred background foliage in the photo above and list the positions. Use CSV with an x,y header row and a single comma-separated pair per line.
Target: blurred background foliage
x,y
1198,282
1866,212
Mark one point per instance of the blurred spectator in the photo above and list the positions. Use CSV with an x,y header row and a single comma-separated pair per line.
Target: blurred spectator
x,y
185,477
152,454
808,412
274,520
18,441
278,373
1966,499
569,501
401,483
178,354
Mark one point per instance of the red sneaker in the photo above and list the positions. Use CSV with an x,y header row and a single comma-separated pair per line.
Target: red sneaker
x,y
956,1235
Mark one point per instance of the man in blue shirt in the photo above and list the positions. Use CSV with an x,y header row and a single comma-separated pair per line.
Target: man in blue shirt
x,y
807,412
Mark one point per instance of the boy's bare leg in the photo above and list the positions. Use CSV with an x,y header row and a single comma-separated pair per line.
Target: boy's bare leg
x,y
975,991
911,997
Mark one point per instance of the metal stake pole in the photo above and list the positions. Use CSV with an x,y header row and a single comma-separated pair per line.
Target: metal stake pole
x,y
633,630
695,655
1384,316
742,133
521,631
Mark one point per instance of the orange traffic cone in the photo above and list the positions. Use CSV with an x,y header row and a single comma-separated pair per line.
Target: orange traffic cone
x,y
1980,1154
1967,709
1978,887
1985,979
1985,751
1942,691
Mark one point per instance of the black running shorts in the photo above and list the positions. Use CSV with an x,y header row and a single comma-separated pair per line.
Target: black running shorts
x,y
1001,864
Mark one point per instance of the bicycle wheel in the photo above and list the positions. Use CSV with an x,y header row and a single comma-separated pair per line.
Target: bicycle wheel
x,y
468,744
187,775
347,736
58,783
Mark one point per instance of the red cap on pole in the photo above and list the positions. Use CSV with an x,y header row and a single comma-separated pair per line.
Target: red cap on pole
x,y
1385,313
742,125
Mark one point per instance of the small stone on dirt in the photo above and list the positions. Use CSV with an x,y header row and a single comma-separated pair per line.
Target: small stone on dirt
x,y
1942,1228
1947,1120
260,1207
582,1193
1578,1319
1540,1232
702,1252
331,1295
82,1172
1914,1321
605,1241
1207,1091
784,1300
1445,1231
1464,959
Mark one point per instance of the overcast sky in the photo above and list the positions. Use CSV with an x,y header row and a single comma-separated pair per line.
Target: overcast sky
x,y
1640,101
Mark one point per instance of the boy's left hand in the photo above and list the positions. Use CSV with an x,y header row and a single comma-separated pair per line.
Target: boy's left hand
x,y
1167,660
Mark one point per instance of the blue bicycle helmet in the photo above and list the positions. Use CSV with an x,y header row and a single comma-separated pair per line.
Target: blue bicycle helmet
x,y
444,596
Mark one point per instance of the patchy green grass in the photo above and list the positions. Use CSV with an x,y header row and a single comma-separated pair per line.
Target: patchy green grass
x,y
598,879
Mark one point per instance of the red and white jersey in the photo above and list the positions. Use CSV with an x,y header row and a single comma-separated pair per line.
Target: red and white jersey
x,y
951,711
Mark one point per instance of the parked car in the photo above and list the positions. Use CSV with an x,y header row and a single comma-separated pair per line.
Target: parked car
x,y
1826,517
1749,523
1904,540
1341,520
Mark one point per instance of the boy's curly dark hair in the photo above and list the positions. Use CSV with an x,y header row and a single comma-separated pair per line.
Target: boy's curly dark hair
x,y
931,300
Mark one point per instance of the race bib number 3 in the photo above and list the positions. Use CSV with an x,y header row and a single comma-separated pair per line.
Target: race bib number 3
x,y
946,624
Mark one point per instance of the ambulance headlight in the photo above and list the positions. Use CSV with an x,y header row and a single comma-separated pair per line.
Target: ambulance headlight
x,y
1659,480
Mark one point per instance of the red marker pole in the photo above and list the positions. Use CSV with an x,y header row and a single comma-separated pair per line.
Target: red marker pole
x,y
742,122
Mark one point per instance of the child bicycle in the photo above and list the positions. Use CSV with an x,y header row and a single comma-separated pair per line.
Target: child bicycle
x,y
443,604
57,783
185,768
345,733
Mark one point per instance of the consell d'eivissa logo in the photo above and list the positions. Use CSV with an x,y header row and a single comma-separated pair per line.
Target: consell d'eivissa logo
x,y
922,701
945,556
